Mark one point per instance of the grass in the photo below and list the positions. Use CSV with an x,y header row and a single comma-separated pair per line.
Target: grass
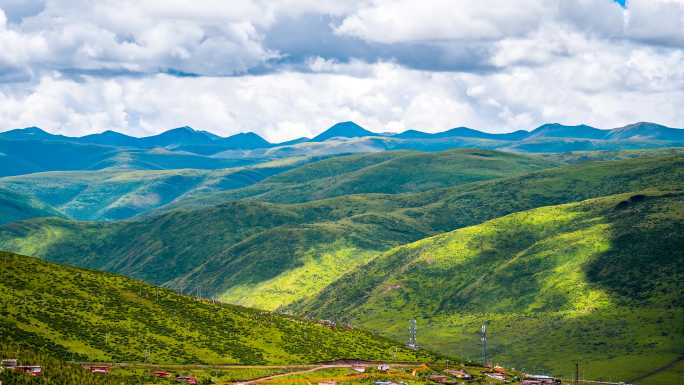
x,y
558,284
551,270
16,207
384,172
282,253
85,315
203,374
120,194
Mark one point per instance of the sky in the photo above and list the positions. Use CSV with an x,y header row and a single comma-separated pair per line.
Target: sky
x,y
291,68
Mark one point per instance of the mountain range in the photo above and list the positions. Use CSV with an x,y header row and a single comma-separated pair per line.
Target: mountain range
x,y
187,136
31,150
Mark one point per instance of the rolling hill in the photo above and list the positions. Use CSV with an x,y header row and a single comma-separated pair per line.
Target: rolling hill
x,y
269,255
85,315
389,172
599,281
119,194
16,207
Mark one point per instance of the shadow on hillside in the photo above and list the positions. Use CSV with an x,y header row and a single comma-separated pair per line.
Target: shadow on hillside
x,y
646,260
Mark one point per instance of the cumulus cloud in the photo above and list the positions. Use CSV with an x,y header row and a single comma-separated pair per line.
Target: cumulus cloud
x,y
406,20
293,67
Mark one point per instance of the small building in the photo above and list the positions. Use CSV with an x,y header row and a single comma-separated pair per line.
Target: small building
x,y
496,376
9,363
541,379
383,367
359,368
98,369
442,379
458,374
187,380
32,370
161,374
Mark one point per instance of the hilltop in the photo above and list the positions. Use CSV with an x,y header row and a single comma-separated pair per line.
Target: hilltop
x,y
598,281
79,314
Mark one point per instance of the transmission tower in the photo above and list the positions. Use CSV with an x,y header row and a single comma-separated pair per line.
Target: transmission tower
x,y
412,342
483,338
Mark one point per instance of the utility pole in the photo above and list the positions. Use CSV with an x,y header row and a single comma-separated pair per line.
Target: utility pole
x,y
412,340
483,338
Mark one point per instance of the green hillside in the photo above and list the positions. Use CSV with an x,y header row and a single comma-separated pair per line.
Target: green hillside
x,y
120,194
384,172
248,242
16,207
601,281
85,315
269,255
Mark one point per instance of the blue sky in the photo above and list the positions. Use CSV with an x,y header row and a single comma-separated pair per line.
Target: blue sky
x,y
288,69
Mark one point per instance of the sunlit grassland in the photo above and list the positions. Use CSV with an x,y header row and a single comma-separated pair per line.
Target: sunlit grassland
x,y
598,281
316,270
85,315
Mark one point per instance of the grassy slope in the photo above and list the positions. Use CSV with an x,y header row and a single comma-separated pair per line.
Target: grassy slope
x,y
600,281
269,255
248,242
119,194
304,246
385,172
87,315
16,207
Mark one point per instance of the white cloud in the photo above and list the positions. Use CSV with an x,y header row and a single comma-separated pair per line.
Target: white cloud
x,y
439,20
496,65
657,21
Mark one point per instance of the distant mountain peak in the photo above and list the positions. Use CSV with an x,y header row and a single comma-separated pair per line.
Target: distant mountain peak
x,y
647,130
30,133
181,129
245,140
32,130
558,130
346,129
